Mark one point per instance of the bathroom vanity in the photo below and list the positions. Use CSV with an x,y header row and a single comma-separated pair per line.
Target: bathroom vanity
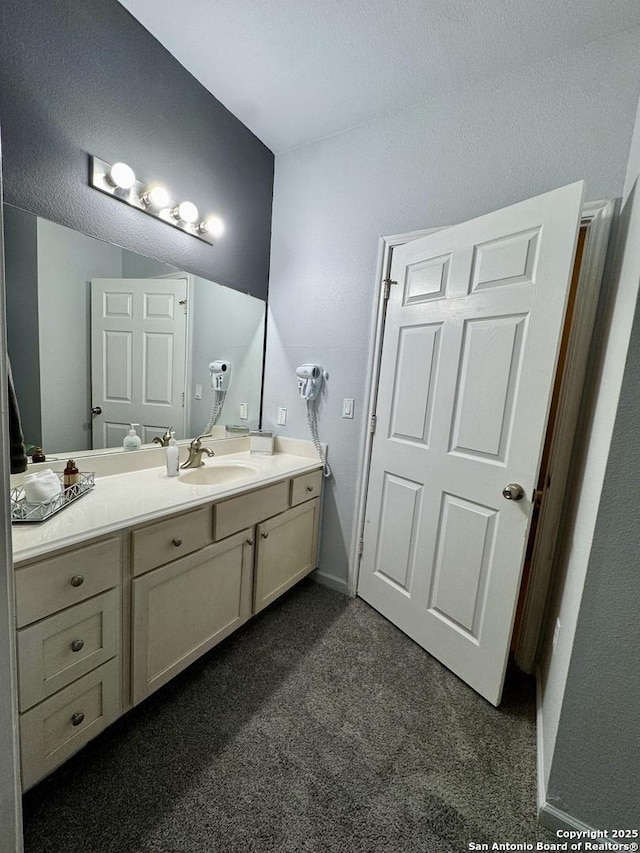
x,y
123,590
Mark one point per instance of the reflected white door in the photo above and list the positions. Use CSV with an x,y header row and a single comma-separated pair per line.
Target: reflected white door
x,y
470,347
138,357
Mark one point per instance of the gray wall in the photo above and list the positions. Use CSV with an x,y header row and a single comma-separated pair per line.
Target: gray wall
x,y
21,274
458,156
599,703
80,77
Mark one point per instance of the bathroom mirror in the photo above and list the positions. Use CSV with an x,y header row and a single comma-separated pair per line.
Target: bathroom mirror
x,y
91,326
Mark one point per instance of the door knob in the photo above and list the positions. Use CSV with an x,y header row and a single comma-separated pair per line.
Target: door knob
x,y
513,492
96,410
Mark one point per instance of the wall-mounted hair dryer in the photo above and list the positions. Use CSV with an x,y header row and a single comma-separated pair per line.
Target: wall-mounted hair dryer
x,y
220,374
310,378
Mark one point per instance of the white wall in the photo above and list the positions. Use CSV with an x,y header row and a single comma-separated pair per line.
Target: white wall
x,y
591,681
468,152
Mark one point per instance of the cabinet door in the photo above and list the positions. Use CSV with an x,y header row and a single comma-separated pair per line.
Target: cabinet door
x,y
287,546
183,609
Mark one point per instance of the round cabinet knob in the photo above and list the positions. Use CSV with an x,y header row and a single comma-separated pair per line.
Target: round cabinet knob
x,y
177,541
77,718
77,580
264,535
249,541
309,488
76,645
513,492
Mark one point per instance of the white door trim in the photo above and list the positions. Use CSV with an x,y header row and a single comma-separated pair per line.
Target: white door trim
x,y
383,271
597,216
10,808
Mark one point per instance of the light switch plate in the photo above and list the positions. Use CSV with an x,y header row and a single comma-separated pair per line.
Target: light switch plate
x,y
347,407
244,411
198,394
282,416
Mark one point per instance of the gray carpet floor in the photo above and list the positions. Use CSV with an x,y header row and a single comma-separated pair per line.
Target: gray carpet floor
x,y
316,727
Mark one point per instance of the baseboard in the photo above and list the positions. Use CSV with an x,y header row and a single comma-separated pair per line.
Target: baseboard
x,y
332,581
554,819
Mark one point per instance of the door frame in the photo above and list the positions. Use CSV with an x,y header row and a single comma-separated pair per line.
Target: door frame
x,y
596,217
10,788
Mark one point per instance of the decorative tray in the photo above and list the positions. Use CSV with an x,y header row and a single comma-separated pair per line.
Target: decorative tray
x,y
24,512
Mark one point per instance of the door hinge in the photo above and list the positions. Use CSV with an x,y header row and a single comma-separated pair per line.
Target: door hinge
x,y
387,287
183,399
360,547
372,424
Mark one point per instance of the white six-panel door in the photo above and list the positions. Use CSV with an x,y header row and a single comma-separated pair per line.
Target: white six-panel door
x,y
138,357
471,339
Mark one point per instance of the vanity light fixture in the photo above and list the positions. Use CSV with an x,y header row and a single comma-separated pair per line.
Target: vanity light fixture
x,y
187,212
119,180
156,196
121,176
213,226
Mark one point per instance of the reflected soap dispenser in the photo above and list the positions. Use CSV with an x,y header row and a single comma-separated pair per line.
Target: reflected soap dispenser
x,y
132,440
172,454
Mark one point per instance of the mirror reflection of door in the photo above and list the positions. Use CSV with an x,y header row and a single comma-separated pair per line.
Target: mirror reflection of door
x,y
138,358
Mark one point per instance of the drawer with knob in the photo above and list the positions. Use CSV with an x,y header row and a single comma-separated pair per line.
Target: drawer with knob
x,y
56,728
50,585
56,651
168,540
305,487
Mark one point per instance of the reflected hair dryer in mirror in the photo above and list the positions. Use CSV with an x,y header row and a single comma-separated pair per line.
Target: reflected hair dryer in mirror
x,y
220,374
220,371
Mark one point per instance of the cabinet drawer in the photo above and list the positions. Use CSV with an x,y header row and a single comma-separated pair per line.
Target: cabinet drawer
x,y
246,510
59,726
182,610
58,650
50,585
305,487
163,541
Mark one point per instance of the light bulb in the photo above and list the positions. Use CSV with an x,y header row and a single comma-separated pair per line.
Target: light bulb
x,y
186,212
156,197
212,225
121,176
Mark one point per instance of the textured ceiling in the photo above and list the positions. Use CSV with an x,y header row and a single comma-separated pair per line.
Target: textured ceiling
x,y
297,70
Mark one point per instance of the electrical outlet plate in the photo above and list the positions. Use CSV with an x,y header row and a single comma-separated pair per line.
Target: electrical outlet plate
x,y
244,411
282,416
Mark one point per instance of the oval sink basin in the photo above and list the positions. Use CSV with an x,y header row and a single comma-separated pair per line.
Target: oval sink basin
x,y
219,473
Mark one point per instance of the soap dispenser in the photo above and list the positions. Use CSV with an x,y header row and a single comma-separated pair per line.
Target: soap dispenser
x,y
132,440
172,454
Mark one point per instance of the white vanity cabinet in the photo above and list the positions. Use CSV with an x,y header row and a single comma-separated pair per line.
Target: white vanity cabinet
x,y
68,641
102,625
183,607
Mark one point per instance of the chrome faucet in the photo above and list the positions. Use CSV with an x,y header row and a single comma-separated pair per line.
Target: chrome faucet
x,y
164,441
194,459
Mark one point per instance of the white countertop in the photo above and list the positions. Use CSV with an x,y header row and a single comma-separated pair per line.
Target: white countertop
x,y
123,500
